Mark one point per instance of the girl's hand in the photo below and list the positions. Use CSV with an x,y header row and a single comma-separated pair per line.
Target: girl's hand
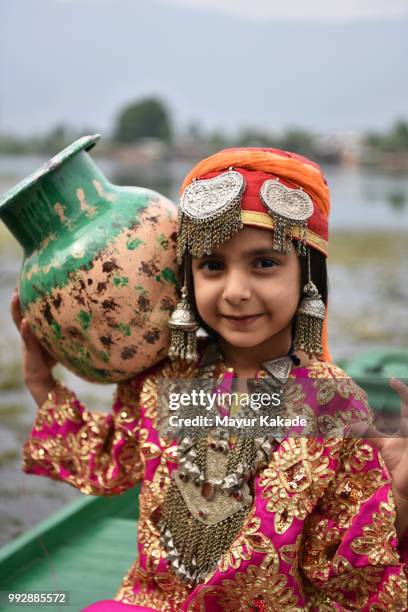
x,y
394,450
37,362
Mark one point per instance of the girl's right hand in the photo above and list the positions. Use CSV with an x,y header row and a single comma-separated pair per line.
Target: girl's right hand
x,y
37,362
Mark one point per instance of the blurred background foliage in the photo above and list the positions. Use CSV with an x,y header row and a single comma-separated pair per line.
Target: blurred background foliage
x,y
149,119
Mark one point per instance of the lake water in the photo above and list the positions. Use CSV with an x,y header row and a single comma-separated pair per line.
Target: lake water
x,y
362,198
368,307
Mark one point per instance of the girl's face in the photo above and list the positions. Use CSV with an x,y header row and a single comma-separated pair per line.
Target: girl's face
x,y
245,291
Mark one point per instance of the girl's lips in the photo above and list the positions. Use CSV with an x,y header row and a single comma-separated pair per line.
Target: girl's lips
x,y
242,321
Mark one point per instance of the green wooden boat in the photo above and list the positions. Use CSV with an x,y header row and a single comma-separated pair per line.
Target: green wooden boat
x,y
372,371
84,549
87,547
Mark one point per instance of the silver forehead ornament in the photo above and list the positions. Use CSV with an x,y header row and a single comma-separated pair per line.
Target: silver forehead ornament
x,y
290,208
209,213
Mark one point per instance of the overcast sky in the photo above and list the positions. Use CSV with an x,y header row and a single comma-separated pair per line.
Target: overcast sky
x,y
322,65
306,10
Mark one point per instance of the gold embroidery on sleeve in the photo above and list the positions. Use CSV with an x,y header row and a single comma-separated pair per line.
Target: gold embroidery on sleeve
x,y
379,536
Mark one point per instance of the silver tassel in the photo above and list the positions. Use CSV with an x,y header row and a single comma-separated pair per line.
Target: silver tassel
x,y
183,326
309,319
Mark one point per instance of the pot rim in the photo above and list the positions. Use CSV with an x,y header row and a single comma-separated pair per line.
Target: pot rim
x,y
84,143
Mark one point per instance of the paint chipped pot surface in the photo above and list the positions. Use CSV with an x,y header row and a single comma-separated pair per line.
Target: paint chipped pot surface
x,y
98,281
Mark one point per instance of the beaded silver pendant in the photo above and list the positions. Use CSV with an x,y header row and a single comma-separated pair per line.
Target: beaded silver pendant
x,y
290,208
209,213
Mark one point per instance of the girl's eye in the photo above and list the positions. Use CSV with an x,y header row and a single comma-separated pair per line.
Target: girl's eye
x,y
265,263
212,266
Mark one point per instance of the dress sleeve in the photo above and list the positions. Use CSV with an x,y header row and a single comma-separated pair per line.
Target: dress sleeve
x,y
95,452
403,551
349,552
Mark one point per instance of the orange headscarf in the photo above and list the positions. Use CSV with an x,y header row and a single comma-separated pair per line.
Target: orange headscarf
x,y
258,165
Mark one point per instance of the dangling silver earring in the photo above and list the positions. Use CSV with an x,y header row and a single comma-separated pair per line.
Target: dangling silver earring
x,y
309,318
184,327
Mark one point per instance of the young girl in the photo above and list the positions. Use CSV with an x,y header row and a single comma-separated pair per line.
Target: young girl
x,y
232,522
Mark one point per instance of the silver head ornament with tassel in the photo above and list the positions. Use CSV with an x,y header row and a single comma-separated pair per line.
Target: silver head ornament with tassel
x,y
289,208
209,213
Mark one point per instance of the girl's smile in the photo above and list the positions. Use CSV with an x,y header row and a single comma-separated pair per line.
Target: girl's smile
x,y
242,321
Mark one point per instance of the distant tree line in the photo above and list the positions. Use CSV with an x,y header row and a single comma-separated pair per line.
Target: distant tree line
x,y
394,141
150,118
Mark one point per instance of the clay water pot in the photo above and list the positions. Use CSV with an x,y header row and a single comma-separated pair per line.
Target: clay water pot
x,y
98,280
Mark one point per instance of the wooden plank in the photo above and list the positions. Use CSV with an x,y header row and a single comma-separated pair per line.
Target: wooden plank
x,y
84,549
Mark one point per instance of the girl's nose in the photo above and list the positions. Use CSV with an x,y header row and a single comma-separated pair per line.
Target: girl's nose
x,y
236,289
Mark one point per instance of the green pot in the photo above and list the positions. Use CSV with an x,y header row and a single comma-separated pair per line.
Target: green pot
x,y
98,280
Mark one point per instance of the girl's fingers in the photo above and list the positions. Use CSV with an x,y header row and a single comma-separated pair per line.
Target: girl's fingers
x,y
375,436
402,391
34,349
16,309
359,429
399,387
369,432
30,342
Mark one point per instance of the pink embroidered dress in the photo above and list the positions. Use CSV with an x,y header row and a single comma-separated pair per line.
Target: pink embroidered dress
x,y
322,541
